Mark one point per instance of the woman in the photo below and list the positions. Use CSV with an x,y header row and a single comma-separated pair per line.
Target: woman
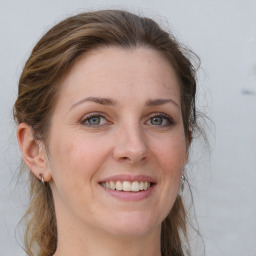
x,y
106,115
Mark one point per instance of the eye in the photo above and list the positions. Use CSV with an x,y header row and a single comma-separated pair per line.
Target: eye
x,y
94,119
156,120
161,120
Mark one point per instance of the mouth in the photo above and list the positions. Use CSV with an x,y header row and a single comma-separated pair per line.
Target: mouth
x,y
127,186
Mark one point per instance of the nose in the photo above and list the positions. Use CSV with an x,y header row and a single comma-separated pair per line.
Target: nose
x,y
131,145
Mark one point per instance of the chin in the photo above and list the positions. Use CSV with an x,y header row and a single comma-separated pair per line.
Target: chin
x,y
132,224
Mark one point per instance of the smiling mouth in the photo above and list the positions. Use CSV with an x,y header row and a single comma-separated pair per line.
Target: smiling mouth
x,y
127,186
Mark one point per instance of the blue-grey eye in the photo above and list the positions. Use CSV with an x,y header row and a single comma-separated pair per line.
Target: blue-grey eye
x,y
95,120
161,120
156,120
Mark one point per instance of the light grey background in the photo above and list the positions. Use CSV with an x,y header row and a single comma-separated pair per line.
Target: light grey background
x,y
223,34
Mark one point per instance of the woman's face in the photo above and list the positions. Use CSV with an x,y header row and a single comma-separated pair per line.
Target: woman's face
x,y
116,144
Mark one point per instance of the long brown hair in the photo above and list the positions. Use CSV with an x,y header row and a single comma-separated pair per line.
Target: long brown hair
x,y
50,60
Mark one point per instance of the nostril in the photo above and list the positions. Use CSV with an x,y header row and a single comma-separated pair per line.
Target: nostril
x,y
124,158
132,149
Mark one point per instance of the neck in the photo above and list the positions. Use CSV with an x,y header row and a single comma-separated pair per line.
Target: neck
x,y
90,242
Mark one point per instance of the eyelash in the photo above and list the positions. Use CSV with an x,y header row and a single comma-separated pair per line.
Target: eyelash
x,y
90,116
170,121
164,116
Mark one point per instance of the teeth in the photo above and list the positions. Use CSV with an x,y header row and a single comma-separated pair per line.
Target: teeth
x,y
112,185
127,186
141,185
135,186
119,185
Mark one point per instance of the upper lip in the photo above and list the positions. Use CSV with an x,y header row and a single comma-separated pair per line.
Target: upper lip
x,y
131,178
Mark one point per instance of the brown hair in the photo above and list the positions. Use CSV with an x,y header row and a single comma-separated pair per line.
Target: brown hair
x,y
50,60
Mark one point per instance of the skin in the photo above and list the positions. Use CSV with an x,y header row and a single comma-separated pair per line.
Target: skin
x,y
127,139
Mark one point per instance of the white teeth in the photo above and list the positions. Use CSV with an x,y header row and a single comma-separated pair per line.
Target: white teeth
x,y
135,186
112,185
119,185
127,186
107,185
141,185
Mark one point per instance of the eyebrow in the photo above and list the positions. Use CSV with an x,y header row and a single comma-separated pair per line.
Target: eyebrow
x,y
157,102
99,100
111,102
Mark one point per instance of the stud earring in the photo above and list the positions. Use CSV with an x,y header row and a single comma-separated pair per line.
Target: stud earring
x,y
182,183
42,178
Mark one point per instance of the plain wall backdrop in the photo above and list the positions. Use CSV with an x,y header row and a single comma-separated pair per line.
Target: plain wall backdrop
x,y
223,34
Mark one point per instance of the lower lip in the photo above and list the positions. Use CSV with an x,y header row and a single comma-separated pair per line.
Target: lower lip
x,y
130,196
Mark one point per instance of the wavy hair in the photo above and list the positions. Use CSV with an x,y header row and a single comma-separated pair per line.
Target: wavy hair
x,y
50,60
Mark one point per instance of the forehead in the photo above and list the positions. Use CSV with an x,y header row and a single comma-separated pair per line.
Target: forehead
x,y
122,71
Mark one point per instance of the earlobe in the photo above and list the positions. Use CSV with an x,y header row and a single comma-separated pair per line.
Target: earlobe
x,y
33,152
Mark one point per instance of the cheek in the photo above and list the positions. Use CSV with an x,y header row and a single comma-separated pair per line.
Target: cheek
x,y
76,157
170,157
172,154
74,165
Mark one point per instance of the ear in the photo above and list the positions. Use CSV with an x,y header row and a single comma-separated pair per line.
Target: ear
x,y
33,152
